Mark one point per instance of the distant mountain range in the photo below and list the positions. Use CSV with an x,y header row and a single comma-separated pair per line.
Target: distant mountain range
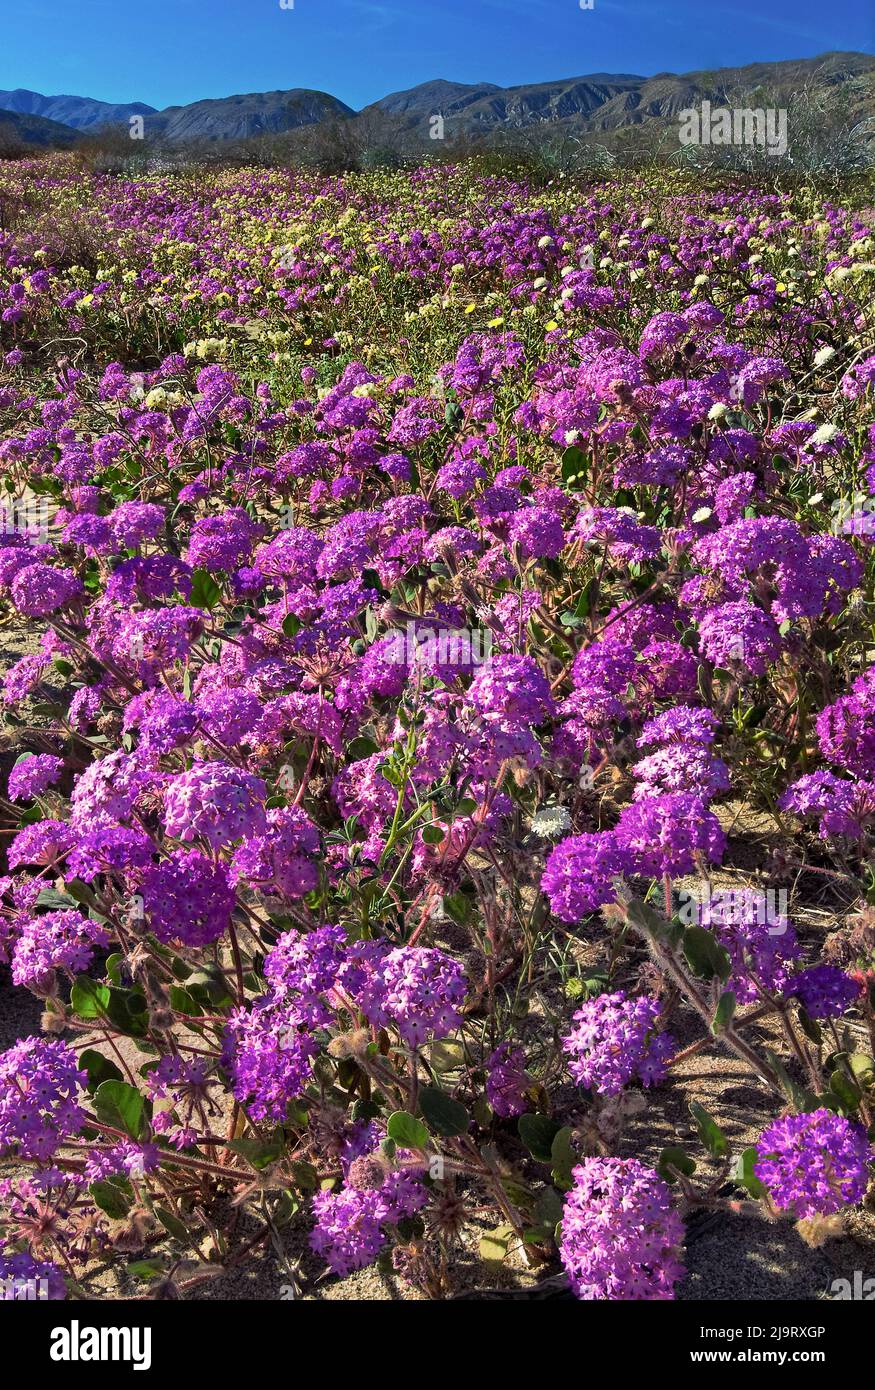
x,y
82,113
600,102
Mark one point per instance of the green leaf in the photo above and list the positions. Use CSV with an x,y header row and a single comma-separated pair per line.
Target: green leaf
x,y
205,592
257,1153
442,1114
802,1100
127,1010
704,954
744,1174
447,1054
146,1269
652,923
548,1209
407,1131
584,605
173,1225
863,1067
457,906
208,984
121,1106
114,968
519,1194
673,1157
538,1133
562,1158
433,835
99,1068
58,902
574,467
88,999
183,1002
362,747
737,419
847,1091
710,1133
810,1027
83,895
305,1175
495,1245
754,716
111,1199
724,1012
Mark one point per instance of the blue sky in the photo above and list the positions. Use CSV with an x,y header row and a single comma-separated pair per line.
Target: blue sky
x,y
167,52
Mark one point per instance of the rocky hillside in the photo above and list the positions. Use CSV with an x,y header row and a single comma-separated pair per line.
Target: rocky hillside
x,y
242,117
20,132
604,102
